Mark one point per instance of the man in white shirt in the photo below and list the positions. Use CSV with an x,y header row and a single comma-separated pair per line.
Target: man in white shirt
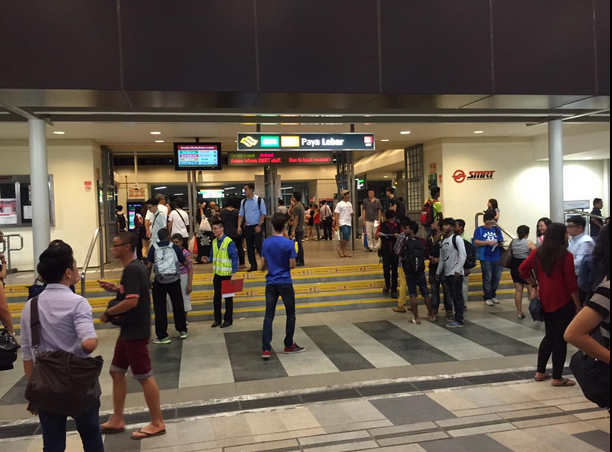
x,y
156,219
581,245
178,222
161,207
327,220
343,220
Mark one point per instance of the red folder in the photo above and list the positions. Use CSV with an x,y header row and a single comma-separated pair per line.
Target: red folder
x,y
229,289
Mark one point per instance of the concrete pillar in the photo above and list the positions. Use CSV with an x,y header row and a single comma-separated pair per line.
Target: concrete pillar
x,y
39,183
555,152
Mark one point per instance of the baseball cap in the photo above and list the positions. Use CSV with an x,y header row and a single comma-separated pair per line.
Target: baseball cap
x,y
344,192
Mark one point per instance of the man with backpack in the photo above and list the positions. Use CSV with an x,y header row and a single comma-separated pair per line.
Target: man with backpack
x,y
452,262
253,214
166,258
413,252
389,232
432,211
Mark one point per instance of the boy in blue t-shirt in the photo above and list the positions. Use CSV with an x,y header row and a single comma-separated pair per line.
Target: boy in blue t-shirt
x,y
489,241
280,257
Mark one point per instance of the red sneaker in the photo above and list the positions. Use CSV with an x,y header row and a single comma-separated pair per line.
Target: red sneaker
x,y
294,349
266,355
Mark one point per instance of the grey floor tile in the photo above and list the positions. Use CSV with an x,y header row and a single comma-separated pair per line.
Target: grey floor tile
x,y
344,357
411,410
598,438
479,443
245,355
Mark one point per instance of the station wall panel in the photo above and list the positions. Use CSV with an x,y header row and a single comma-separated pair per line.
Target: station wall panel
x,y
436,47
59,44
602,14
189,45
544,47
318,46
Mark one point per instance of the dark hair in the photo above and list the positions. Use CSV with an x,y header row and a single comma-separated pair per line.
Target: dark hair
x,y
163,234
54,262
129,238
250,186
597,201
435,192
281,202
172,206
547,221
371,189
578,220
152,202
119,208
601,254
297,195
449,222
177,237
323,203
489,217
391,190
391,214
523,232
554,248
234,202
180,203
494,203
279,221
413,226
219,223
461,223
55,243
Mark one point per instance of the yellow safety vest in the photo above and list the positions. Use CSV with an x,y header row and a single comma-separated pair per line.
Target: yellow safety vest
x,y
222,263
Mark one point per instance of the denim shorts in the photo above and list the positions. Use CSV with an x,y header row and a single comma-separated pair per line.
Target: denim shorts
x,y
345,233
417,282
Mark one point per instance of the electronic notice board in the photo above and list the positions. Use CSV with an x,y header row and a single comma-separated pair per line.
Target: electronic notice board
x,y
197,156
306,142
254,158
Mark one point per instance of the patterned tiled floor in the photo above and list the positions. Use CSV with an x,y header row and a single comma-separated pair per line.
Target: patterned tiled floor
x,y
518,417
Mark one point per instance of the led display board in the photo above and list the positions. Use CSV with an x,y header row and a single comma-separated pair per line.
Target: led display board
x,y
306,142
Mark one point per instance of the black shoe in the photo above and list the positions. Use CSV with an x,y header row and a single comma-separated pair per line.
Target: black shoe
x,y
264,268
226,325
216,325
301,265
251,270
386,290
394,295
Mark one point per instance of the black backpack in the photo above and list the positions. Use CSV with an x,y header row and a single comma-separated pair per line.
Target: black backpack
x,y
471,261
414,256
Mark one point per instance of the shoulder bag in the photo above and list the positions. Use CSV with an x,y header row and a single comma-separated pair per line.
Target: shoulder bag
x,y
61,383
507,257
8,349
535,306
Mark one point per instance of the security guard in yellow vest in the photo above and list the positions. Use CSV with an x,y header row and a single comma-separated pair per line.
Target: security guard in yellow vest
x,y
224,257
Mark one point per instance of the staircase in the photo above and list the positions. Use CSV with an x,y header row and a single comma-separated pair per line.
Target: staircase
x,y
318,289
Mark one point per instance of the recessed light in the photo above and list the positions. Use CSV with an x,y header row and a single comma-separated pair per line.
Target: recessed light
x,y
385,140
161,188
386,177
479,132
59,132
406,132
159,141
155,133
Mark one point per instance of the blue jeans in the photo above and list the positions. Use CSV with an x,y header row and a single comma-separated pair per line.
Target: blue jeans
x,y
88,426
491,277
455,287
438,287
287,293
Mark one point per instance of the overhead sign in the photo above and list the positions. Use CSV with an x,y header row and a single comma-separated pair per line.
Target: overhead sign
x,y
461,176
279,158
306,142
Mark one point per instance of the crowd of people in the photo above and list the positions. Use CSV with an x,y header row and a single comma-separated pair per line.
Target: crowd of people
x,y
565,271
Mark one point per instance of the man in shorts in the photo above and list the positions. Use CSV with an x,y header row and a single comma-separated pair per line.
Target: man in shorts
x,y
132,308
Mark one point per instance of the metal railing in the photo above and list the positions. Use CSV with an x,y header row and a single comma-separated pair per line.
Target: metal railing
x,y
7,249
481,214
97,236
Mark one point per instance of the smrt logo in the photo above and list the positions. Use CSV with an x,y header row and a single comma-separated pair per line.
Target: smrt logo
x,y
249,142
460,176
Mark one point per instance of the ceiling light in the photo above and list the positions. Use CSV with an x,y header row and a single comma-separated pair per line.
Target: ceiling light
x,y
178,194
160,188
155,133
385,140
159,141
386,177
588,158
231,188
59,132
479,132
406,132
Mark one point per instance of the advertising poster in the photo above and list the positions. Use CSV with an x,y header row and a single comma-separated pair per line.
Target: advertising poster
x,y
8,211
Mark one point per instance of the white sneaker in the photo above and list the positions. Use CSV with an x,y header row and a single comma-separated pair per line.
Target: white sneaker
x,y
496,301
489,303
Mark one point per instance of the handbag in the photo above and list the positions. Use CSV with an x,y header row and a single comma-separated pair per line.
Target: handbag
x,y
507,257
535,306
117,320
61,382
8,350
205,225
593,377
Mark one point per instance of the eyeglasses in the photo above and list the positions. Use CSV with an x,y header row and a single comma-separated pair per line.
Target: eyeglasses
x,y
120,244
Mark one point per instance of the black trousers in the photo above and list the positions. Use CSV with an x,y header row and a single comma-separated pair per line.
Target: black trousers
x,y
327,229
299,238
554,343
254,243
390,269
160,295
239,241
229,302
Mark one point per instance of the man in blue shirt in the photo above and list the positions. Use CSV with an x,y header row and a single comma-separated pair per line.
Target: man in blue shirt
x,y
253,215
280,257
489,240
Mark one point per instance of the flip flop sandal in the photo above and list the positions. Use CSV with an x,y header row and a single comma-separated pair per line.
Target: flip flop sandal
x,y
147,435
414,321
544,378
567,383
112,431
